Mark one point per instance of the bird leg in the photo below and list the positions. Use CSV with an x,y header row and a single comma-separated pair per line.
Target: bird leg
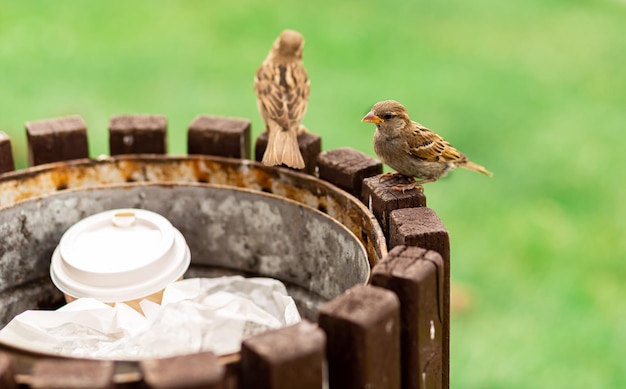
x,y
405,187
386,176
413,185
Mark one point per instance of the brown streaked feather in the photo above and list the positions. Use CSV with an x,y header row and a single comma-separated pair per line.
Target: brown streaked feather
x,y
289,153
412,149
282,88
283,91
428,146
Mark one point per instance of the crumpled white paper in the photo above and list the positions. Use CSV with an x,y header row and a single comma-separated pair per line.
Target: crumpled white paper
x,y
198,314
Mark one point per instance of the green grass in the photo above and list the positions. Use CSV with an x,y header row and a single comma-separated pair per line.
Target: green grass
x,y
535,90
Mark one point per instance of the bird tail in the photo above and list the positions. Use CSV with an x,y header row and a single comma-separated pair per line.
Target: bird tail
x,y
282,148
469,165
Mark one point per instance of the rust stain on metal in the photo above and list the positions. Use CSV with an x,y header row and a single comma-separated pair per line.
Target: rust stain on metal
x,y
306,189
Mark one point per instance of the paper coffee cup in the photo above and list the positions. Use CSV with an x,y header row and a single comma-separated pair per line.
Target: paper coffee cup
x,y
121,255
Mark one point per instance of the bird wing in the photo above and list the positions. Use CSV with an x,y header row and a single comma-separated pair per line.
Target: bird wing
x,y
428,146
283,92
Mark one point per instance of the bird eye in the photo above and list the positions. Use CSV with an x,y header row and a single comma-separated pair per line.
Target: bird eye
x,y
387,116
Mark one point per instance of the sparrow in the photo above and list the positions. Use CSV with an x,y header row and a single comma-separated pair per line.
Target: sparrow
x,y
282,88
412,149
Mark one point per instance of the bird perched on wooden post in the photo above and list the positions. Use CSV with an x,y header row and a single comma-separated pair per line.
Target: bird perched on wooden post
x,y
412,149
282,88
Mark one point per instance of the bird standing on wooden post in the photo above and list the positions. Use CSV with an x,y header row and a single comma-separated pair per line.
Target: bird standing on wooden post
x,y
412,149
282,88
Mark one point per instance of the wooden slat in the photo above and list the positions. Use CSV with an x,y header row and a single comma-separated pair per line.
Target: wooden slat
x,y
289,357
362,327
195,371
346,168
381,199
221,136
137,134
423,228
54,140
6,154
7,380
416,276
72,374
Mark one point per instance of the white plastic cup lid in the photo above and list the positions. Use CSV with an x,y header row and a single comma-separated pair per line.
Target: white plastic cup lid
x,y
119,255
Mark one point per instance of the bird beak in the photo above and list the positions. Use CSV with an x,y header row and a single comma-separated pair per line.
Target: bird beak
x,y
371,118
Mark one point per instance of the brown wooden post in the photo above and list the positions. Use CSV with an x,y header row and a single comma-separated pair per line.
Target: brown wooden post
x,y
362,329
7,372
310,147
289,357
346,168
137,134
54,140
232,372
221,136
6,154
195,371
416,276
72,374
422,227
381,199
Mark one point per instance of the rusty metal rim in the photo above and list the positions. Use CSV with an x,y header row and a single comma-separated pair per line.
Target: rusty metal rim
x,y
36,181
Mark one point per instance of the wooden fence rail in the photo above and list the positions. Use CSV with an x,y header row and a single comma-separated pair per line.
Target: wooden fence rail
x,y
393,332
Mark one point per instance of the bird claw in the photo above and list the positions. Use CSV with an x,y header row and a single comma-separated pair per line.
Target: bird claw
x,y
404,188
412,183
387,176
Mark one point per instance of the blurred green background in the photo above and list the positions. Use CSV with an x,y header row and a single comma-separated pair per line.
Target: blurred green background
x,y
535,90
